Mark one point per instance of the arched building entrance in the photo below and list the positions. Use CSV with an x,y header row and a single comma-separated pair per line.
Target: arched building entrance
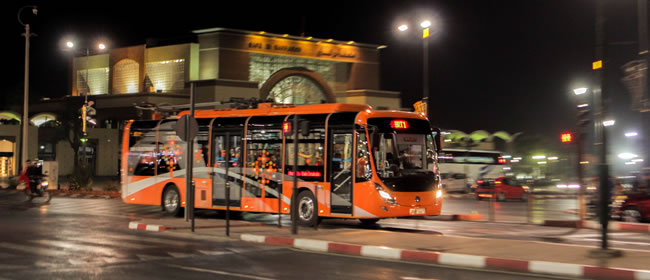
x,y
297,85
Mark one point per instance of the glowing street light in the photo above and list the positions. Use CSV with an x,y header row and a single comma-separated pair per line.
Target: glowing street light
x,y
539,157
579,91
425,24
627,155
609,122
631,134
403,27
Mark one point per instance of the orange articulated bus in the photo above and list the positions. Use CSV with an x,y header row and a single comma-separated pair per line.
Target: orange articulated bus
x,y
353,162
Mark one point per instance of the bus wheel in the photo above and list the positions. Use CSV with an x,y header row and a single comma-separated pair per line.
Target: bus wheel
x,y
368,222
172,201
307,209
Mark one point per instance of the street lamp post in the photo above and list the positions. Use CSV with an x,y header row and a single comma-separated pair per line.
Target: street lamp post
x,y
25,121
426,32
100,46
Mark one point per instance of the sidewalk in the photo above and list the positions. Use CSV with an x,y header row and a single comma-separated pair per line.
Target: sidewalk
x,y
497,254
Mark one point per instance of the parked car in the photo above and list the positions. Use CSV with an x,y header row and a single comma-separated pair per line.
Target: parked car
x,y
636,208
503,187
454,182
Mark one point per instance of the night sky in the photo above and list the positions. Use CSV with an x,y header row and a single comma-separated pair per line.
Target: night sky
x,y
494,65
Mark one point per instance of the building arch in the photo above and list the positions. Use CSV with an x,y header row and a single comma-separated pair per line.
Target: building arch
x,y
126,76
286,74
42,118
10,117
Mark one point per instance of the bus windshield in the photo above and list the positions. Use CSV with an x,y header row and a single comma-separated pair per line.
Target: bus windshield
x,y
403,153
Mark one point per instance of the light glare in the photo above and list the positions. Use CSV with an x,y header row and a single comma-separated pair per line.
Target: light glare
x,y
425,24
631,134
580,91
609,122
69,44
403,27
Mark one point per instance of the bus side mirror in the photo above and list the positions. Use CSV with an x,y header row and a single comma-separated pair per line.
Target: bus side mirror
x,y
437,137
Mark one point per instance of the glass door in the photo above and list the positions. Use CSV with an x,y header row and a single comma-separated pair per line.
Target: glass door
x,y
227,158
340,171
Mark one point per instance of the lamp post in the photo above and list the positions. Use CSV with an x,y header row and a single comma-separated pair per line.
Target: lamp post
x,y
426,32
71,46
25,121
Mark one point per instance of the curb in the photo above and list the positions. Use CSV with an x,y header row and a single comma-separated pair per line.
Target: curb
x,y
612,225
451,259
145,227
159,228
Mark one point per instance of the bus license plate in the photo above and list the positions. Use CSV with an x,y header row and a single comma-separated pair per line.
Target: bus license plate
x,y
417,211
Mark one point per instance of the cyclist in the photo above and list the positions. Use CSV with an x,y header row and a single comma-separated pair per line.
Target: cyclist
x,y
34,175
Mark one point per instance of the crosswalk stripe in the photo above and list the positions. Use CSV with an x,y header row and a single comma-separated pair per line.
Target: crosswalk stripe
x,y
144,257
32,249
77,247
110,243
180,255
214,253
147,239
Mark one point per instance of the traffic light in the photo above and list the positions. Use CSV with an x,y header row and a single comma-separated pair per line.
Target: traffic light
x,y
567,137
583,118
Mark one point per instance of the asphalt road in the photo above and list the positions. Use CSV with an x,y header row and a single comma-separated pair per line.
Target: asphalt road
x,y
72,238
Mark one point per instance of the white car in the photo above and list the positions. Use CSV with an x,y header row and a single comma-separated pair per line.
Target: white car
x,y
454,182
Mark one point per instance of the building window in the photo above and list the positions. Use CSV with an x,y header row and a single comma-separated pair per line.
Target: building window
x,y
126,76
297,90
97,81
165,75
262,66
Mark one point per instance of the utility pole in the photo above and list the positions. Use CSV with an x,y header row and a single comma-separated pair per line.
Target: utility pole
x,y
642,8
600,96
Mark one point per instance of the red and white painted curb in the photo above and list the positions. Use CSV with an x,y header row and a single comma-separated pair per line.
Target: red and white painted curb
x,y
637,227
382,252
146,227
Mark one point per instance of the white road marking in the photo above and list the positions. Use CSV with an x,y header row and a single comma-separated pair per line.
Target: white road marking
x,y
32,249
144,257
218,272
110,243
77,247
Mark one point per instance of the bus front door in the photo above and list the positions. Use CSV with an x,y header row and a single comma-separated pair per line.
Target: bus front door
x,y
227,157
340,171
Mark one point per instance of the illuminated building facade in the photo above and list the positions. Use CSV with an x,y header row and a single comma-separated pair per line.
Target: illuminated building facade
x,y
223,63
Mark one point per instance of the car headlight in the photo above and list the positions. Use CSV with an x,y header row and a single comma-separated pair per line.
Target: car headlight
x,y
45,184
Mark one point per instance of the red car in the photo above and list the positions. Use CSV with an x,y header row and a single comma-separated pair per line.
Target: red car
x,y
504,187
636,208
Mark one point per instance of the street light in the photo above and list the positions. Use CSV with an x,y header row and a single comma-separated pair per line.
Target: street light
x,y
85,108
609,122
426,32
27,34
580,91
631,134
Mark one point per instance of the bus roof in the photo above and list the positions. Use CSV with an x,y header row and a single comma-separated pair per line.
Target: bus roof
x,y
270,109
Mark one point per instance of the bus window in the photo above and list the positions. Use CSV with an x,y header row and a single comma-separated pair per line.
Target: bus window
x,y
171,149
311,148
363,170
264,156
142,151
400,149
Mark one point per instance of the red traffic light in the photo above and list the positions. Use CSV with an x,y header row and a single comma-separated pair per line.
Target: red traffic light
x,y
567,137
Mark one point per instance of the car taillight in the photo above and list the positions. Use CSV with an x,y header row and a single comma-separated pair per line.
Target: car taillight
x,y
498,183
480,182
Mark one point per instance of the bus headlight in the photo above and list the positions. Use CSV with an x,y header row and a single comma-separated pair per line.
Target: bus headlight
x,y
385,195
438,194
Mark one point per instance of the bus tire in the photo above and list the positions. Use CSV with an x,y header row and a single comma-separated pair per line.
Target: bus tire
x,y
307,209
171,201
